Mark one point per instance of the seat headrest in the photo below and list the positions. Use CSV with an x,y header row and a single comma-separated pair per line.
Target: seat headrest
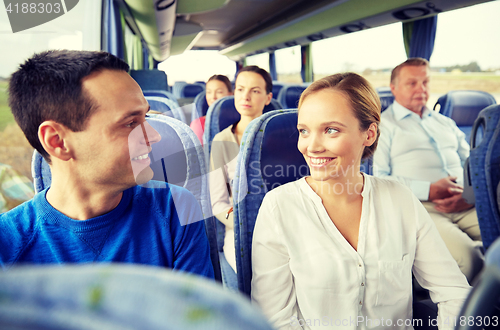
x,y
168,156
276,89
464,106
229,115
386,97
150,79
191,90
200,102
281,162
289,95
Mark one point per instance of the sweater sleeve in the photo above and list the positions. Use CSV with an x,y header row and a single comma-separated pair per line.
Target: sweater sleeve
x,y
17,231
191,249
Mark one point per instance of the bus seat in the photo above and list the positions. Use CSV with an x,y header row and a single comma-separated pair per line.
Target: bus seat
x,y
151,79
463,107
191,90
277,86
289,96
484,172
268,158
176,89
200,106
223,113
184,90
158,93
386,97
482,302
119,296
177,159
166,107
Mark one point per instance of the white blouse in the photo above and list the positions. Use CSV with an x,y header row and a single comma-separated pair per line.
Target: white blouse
x,y
305,273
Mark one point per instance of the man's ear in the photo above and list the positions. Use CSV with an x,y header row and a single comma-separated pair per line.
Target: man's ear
x,y
371,134
53,137
393,87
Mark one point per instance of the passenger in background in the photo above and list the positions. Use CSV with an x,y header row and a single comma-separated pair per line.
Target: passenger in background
x,y
339,246
218,86
253,91
87,117
426,151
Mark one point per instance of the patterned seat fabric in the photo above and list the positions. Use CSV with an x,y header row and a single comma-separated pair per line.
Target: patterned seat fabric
x,y
166,107
289,95
484,171
118,296
268,158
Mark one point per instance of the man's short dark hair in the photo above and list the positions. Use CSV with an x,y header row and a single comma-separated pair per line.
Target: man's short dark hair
x,y
412,61
48,86
264,74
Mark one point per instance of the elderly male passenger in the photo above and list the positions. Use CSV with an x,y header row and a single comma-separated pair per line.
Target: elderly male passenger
x,y
87,117
426,151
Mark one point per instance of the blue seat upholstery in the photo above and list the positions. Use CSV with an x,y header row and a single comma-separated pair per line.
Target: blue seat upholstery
x,y
191,90
463,107
151,79
166,107
177,159
386,97
200,106
176,89
223,113
268,158
484,170
158,93
482,303
220,115
277,86
119,296
289,96
184,90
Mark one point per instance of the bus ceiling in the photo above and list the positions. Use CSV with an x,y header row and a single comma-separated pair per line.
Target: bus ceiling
x,y
240,28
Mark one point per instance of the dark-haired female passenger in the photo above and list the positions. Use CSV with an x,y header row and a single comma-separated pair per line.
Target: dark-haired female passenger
x,y
217,86
337,248
252,93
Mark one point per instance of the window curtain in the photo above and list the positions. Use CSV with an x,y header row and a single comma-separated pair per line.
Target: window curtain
x,y
113,31
419,37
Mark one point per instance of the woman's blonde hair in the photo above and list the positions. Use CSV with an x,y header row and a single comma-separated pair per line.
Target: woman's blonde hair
x,y
364,100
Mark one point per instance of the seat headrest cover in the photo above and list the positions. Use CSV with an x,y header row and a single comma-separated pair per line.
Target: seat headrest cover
x,y
281,162
464,106
191,90
229,115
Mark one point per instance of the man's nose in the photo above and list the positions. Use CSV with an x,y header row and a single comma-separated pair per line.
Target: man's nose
x,y
422,87
151,136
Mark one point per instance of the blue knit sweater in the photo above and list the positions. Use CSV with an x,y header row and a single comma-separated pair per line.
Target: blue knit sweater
x,y
145,228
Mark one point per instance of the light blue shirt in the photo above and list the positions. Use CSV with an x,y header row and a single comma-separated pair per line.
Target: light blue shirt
x,y
418,151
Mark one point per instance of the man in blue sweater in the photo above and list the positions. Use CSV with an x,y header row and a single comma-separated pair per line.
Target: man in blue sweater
x,y
86,116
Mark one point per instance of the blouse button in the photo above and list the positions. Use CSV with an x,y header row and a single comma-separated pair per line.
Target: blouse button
x,y
359,265
362,284
360,302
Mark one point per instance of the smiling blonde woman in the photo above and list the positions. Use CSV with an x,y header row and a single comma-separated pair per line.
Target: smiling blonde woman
x,y
337,248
